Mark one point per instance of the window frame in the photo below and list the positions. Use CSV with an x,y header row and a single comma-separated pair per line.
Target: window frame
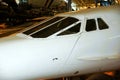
x,y
97,25
64,17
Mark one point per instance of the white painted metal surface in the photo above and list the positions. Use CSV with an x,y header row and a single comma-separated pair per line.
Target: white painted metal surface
x,y
23,56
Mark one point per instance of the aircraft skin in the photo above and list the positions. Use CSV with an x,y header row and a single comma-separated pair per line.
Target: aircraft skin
x,y
25,56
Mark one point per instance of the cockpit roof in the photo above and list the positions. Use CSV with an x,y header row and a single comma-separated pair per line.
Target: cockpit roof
x,y
93,12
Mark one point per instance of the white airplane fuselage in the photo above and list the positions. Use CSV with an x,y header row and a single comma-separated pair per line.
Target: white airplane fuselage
x,y
87,51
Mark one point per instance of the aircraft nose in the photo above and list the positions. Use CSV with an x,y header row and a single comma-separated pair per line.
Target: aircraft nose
x,y
19,64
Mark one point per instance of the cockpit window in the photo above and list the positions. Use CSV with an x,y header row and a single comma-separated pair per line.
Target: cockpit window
x,y
47,31
91,25
42,25
102,24
72,30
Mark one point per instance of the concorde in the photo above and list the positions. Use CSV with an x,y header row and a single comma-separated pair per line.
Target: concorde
x,y
68,44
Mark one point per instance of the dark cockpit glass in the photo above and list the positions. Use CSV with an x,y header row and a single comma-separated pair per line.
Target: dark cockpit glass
x,y
50,27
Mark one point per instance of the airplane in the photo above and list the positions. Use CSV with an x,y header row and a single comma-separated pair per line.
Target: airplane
x,y
68,44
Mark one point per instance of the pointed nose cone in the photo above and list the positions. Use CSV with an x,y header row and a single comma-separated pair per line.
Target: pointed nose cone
x,y
22,58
